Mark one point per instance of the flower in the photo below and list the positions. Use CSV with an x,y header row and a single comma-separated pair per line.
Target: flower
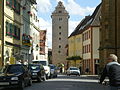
x,y
7,2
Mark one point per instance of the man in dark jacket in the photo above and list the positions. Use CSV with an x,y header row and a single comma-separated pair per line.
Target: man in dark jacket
x,y
112,71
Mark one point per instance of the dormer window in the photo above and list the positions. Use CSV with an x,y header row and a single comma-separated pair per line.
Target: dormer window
x,y
60,11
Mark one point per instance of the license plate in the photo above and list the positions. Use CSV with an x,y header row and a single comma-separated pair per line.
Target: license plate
x,y
34,74
4,83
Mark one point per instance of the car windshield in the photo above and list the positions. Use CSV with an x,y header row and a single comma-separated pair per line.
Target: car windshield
x,y
14,69
73,68
52,66
44,63
35,67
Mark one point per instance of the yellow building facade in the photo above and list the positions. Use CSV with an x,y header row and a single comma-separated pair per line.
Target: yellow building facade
x,y
84,42
75,49
12,30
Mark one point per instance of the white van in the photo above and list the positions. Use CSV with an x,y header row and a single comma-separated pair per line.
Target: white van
x,y
45,65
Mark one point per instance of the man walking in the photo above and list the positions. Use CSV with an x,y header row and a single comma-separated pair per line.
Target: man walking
x,y
112,71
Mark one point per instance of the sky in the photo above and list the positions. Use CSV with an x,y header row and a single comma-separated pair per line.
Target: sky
x,y
77,9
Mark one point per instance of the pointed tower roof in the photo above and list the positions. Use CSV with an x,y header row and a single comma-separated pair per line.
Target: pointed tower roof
x,y
60,9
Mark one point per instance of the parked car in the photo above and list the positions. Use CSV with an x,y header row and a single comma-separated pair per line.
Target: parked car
x,y
45,65
16,76
73,71
53,71
37,72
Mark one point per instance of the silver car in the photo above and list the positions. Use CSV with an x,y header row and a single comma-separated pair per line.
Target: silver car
x,y
73,71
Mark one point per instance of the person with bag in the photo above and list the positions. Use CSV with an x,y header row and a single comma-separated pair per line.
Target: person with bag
x,y
112,71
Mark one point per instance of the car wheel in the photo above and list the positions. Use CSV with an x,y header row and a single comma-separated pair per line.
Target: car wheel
x,y
47,77
30,83
56,76
44,79
22,85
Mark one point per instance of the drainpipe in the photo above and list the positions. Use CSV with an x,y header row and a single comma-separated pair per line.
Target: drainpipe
x,y
116,27
3,33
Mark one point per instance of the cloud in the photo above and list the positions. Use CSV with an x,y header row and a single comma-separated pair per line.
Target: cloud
x,y
75,9
46,25
72,26
44,5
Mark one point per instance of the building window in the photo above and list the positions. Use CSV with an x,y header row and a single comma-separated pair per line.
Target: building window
x,y
89,34
59,51
60,11
59,46
36,57
14,4
60,19
89,48
59,38
59,27
59,33
12,30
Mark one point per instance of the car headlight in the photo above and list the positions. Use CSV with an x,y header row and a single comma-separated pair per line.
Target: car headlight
x,y
14,78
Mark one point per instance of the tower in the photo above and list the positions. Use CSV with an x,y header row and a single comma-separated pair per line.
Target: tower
x,y
59,33
110,30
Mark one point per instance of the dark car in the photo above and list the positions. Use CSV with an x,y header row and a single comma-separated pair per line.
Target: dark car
x,y
53,71
37,72
16,76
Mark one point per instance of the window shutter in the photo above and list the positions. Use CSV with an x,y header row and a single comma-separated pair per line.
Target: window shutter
x,y
7,28
19,33
11,3
15,4
11,28
15,31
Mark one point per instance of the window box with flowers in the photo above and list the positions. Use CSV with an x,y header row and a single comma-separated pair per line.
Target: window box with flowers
x,y
7,2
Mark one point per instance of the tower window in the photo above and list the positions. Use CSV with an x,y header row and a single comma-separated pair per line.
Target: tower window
x,y
59,27
59,33
59,38
59,46
59,51
60,11
60,19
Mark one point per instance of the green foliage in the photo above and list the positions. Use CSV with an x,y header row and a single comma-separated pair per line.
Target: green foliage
x,y
74,58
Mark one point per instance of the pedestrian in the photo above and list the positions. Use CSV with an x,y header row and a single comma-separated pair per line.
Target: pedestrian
x,y
112,71
26,62
19,62
87,70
